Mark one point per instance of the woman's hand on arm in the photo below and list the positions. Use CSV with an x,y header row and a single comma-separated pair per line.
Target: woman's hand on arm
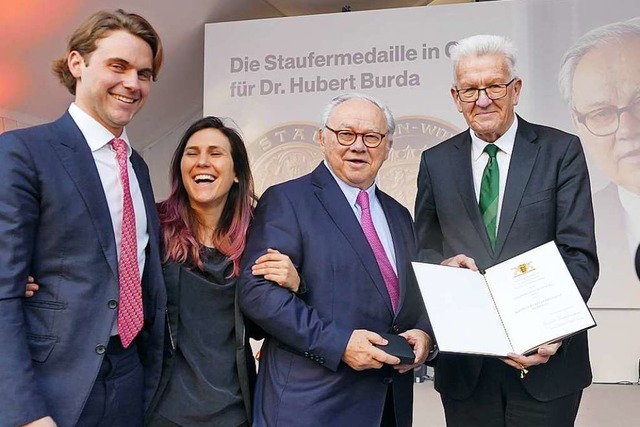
x,y
277,268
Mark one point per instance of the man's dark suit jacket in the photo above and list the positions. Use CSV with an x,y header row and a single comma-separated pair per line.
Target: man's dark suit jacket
x,y
55,224
302,380
547,197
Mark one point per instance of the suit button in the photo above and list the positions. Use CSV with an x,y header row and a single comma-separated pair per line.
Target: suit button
x,y
100,349
306,354
387,380
395,329
112,304
321,361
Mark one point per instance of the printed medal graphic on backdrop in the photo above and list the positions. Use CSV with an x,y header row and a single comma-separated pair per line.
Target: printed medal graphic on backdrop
x,y
292,150
284,153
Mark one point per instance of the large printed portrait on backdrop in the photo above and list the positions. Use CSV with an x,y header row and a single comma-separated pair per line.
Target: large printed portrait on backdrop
x,y
600,81
292,150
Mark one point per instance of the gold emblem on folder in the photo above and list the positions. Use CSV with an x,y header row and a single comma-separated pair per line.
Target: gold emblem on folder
x,y
523,269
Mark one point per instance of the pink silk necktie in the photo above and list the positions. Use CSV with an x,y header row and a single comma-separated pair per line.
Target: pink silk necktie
x,y
389,276
130,314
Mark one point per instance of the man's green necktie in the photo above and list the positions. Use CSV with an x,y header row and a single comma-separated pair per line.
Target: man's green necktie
x,y
489,194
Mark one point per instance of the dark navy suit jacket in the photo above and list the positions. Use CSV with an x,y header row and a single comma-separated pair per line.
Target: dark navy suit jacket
x,y
547,197
55,224
302,380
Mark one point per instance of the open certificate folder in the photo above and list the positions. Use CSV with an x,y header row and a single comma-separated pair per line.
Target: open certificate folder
x,y
515,306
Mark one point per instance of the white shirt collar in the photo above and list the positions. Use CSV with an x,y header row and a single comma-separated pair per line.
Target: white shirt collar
x,y
629,200
631,206
351,193
97,136
504,143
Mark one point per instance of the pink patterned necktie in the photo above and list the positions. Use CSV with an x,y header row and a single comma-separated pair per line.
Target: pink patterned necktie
x,y
130,315
389,276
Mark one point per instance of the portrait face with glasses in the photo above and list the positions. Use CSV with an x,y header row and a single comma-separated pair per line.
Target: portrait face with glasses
x,y
605,120
606,109
354,142
486,94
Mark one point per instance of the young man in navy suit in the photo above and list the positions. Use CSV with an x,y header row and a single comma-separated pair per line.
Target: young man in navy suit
x,y
502,187
320,365
77,212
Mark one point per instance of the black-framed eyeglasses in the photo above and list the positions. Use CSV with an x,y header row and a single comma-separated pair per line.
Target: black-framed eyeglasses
x,y
347,137
605,121
493,92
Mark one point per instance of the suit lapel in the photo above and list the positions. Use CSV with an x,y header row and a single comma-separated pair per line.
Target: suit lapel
x,y
525,152
78,161
462,176
398,235
336,205
140,169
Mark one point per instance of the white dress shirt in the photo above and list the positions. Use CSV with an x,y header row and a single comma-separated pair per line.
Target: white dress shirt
x,y
631,206
98,138
377,214
479,161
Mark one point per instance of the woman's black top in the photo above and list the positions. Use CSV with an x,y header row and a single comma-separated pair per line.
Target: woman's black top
x,y
203,387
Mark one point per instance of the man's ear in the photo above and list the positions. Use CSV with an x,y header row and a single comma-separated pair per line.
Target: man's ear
x,y
321,139
574,120
454,95
75,62
517,87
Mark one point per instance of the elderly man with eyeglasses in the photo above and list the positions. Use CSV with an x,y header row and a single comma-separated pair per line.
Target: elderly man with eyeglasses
x,y
600,81
494,191
352,244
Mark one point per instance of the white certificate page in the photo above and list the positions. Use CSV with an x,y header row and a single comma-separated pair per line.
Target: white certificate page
x,y
537,298
461,310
